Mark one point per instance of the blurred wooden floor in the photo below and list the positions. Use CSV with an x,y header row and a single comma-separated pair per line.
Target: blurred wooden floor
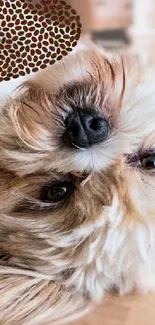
x,y
132,310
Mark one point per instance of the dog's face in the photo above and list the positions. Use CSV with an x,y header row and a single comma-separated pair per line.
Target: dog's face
x,y
77,159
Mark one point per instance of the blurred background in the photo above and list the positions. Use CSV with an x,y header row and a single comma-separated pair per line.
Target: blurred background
x,y
117,24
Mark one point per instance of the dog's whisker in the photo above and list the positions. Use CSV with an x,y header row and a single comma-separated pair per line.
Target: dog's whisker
x,y
77,147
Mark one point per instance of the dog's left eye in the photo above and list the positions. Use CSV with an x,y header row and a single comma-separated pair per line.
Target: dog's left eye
x,y
53,193
148,162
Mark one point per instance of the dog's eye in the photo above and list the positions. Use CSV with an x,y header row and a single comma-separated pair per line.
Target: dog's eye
x,y
53,193
148,162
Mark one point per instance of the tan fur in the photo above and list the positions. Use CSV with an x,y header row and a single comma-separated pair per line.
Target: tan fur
x,y
56,263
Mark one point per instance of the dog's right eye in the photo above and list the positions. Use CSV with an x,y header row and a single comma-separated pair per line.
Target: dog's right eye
x,y
148,162
53,193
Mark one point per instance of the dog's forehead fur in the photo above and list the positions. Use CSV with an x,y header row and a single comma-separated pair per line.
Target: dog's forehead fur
x,y
54,262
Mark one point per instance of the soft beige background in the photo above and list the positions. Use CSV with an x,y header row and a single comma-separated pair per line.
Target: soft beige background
x,y
131,310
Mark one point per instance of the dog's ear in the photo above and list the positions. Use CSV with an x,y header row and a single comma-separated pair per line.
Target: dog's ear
x,y
35,300
26,114
25,126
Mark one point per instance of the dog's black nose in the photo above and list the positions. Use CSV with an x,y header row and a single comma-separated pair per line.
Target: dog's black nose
x,y
84,128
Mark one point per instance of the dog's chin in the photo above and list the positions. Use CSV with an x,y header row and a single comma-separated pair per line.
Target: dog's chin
x,y
87,160
96,158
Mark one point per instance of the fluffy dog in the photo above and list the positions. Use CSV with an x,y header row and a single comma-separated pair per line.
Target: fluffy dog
x,y
77,187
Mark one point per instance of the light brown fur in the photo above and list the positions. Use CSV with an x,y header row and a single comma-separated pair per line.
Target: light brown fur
x,y
56,262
